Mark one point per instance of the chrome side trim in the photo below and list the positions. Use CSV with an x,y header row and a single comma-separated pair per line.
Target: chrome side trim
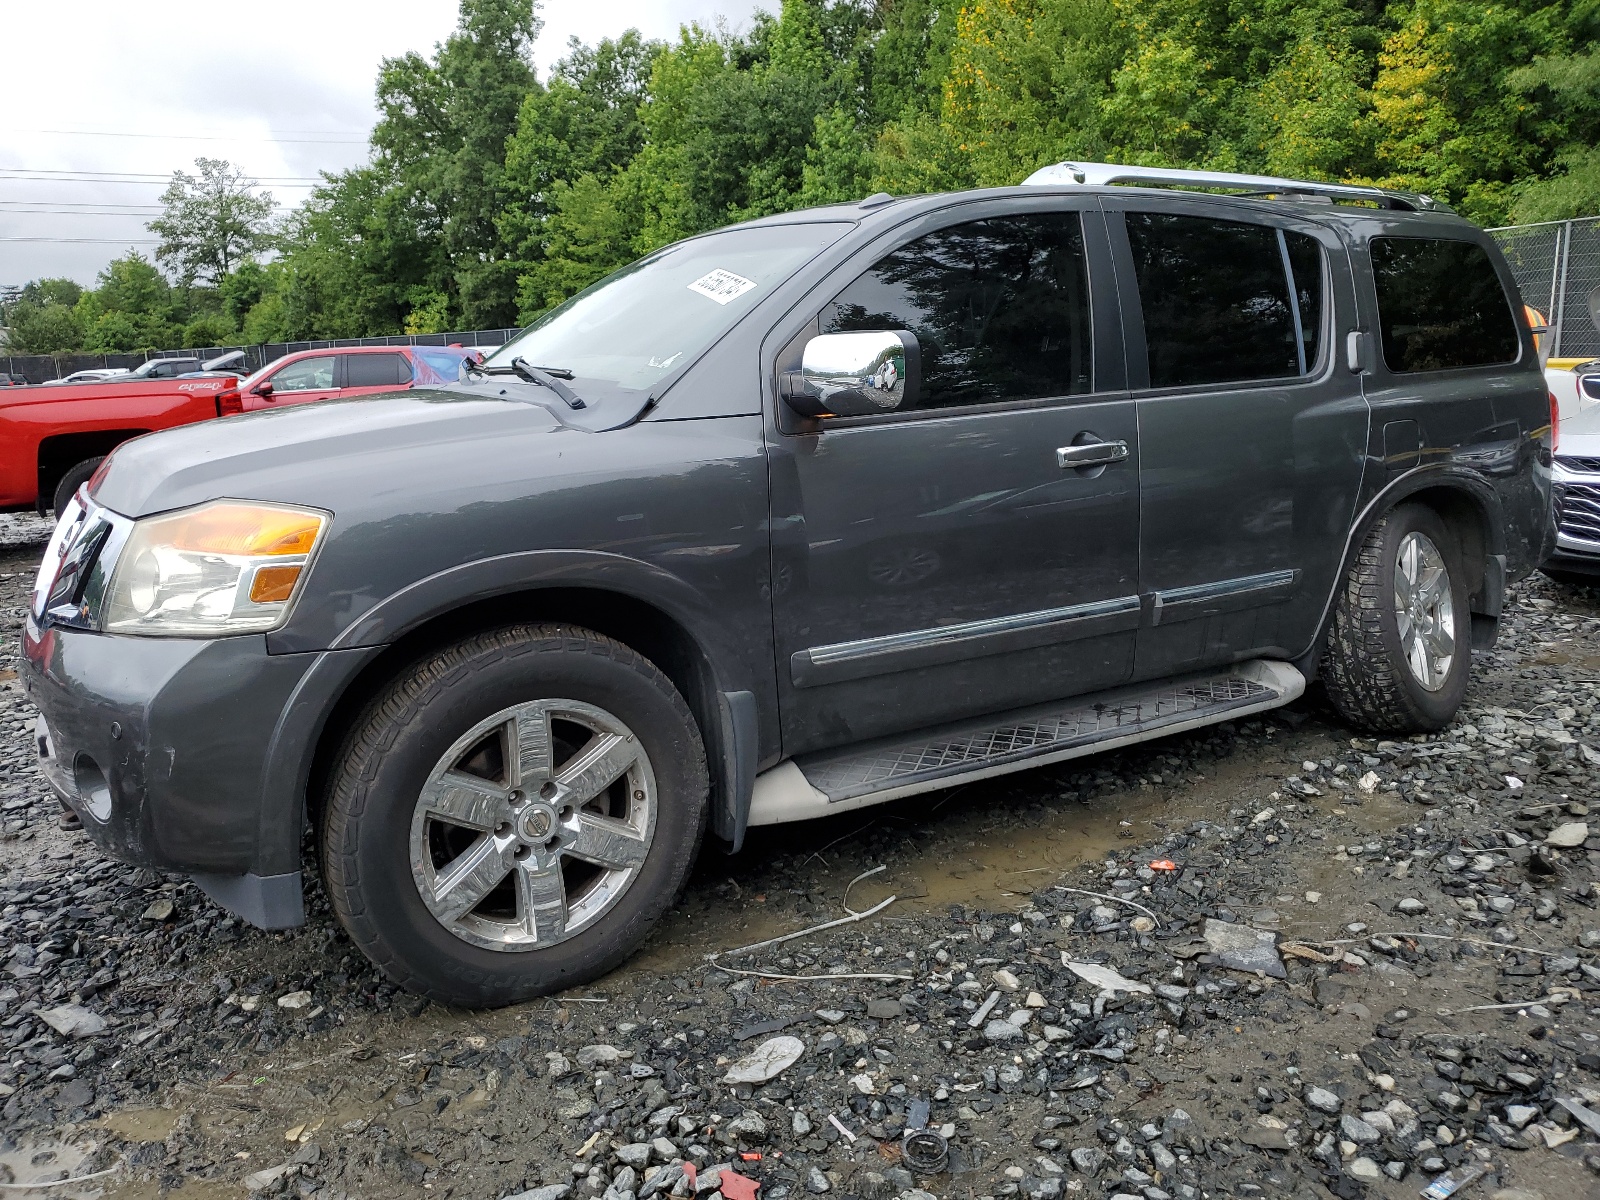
x,y
1225,595
928,647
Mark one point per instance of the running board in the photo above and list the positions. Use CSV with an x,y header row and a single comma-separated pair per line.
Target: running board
x,y
820,784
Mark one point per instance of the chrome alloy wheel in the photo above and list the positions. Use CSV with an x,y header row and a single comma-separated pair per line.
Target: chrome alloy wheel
x,y
1425,610
533,824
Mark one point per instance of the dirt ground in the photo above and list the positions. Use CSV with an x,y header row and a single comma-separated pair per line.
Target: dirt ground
x,y
1428,998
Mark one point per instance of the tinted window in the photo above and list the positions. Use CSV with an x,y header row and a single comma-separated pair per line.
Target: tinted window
x,y
1216,299
1305,271
1440,305
305,375
376,370
1000,308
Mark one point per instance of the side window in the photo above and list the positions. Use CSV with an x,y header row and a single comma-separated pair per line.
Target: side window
x,y
376,370
1000,308
1217,299
305,375
1440,305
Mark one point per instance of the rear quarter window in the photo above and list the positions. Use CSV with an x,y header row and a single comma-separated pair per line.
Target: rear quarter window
x,y
1440,305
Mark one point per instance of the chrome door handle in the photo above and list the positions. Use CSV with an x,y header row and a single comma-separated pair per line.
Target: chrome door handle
x,y
1094,454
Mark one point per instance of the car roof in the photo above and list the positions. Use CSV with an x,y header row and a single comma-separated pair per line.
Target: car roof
x,y
1347,205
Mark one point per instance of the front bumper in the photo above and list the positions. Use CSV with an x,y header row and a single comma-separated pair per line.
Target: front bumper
x,y
165,748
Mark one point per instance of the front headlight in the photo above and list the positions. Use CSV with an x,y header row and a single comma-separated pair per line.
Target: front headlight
x,y
224,567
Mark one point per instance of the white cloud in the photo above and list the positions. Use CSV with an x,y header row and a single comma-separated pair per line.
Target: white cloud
x,y
284,90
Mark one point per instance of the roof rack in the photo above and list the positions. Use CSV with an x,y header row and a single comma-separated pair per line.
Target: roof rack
x,y
1104,174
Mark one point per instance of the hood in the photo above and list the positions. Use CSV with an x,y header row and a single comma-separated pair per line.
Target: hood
x,y
1580,434
325,454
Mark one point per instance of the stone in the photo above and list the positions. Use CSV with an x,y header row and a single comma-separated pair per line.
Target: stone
x,y
1323,1100
1006,981
294,1000
1354,1129
594,1056
1364,1169
1241,948
1002,1031
816,1182
162,910
1088,1159
634,1154
766,1061
553,1191
1265,1137
1411,907
885,1010
1516,1193
1519,1115
261,1180
1567,836
72,1020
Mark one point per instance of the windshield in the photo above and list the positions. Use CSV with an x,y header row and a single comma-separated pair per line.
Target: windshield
x,y
634,327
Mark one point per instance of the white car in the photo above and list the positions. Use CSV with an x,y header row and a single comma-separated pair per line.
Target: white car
x,y
92,375
1575,385
1576,476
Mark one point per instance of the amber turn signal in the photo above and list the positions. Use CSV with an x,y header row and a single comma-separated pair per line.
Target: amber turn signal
x,y
273,585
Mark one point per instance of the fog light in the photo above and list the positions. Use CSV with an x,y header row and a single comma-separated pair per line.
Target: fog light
x,y
92,787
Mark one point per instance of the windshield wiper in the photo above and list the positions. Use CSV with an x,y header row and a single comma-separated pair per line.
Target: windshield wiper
x,y
549,377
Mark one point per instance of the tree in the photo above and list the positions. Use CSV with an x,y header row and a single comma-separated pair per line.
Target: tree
x,y
441,137
211,221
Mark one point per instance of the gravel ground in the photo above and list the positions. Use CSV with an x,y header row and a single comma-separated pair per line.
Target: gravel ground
x,y
1313,964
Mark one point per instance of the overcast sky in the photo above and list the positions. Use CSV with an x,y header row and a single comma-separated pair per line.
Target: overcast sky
x,y
97,90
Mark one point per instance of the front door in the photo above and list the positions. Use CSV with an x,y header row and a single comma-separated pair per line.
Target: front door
x,y
954,560
298,382
1252,428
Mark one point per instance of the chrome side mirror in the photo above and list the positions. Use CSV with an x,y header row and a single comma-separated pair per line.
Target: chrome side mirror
x,y
855,374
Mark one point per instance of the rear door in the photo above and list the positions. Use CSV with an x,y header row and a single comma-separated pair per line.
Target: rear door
x,y
382,371
951,561
1252,432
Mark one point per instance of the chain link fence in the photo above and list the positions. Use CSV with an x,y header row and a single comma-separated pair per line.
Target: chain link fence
x,y
36,368
1557,265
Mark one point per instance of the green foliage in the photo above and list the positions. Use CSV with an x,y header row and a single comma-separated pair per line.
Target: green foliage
x,y
491,196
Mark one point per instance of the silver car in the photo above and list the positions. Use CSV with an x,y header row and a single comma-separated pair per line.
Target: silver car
x,y
1576,475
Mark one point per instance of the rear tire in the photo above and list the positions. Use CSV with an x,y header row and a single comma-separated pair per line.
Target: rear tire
x,y
74,479
549,771
1399,652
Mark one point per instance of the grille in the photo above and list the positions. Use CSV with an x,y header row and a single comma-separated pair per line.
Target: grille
x,y
1587,466
895,765
1580,511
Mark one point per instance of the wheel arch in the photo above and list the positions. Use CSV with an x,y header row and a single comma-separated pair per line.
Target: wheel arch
x,y
1471,508
722,704
59,453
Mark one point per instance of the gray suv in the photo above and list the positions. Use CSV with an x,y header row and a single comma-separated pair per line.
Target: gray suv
x,y
792,518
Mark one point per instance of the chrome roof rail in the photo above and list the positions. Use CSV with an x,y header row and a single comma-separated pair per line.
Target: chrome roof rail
x,y
1090,174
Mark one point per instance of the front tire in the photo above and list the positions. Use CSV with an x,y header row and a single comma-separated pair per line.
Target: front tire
x,y
1399,652
512,815
75,478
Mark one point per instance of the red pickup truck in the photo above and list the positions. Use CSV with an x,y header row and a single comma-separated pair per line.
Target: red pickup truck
x,y
53,437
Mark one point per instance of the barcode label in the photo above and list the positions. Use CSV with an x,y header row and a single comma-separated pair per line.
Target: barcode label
x,y
722,286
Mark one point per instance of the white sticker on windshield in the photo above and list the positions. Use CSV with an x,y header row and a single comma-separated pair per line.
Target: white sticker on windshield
x,y
722,286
